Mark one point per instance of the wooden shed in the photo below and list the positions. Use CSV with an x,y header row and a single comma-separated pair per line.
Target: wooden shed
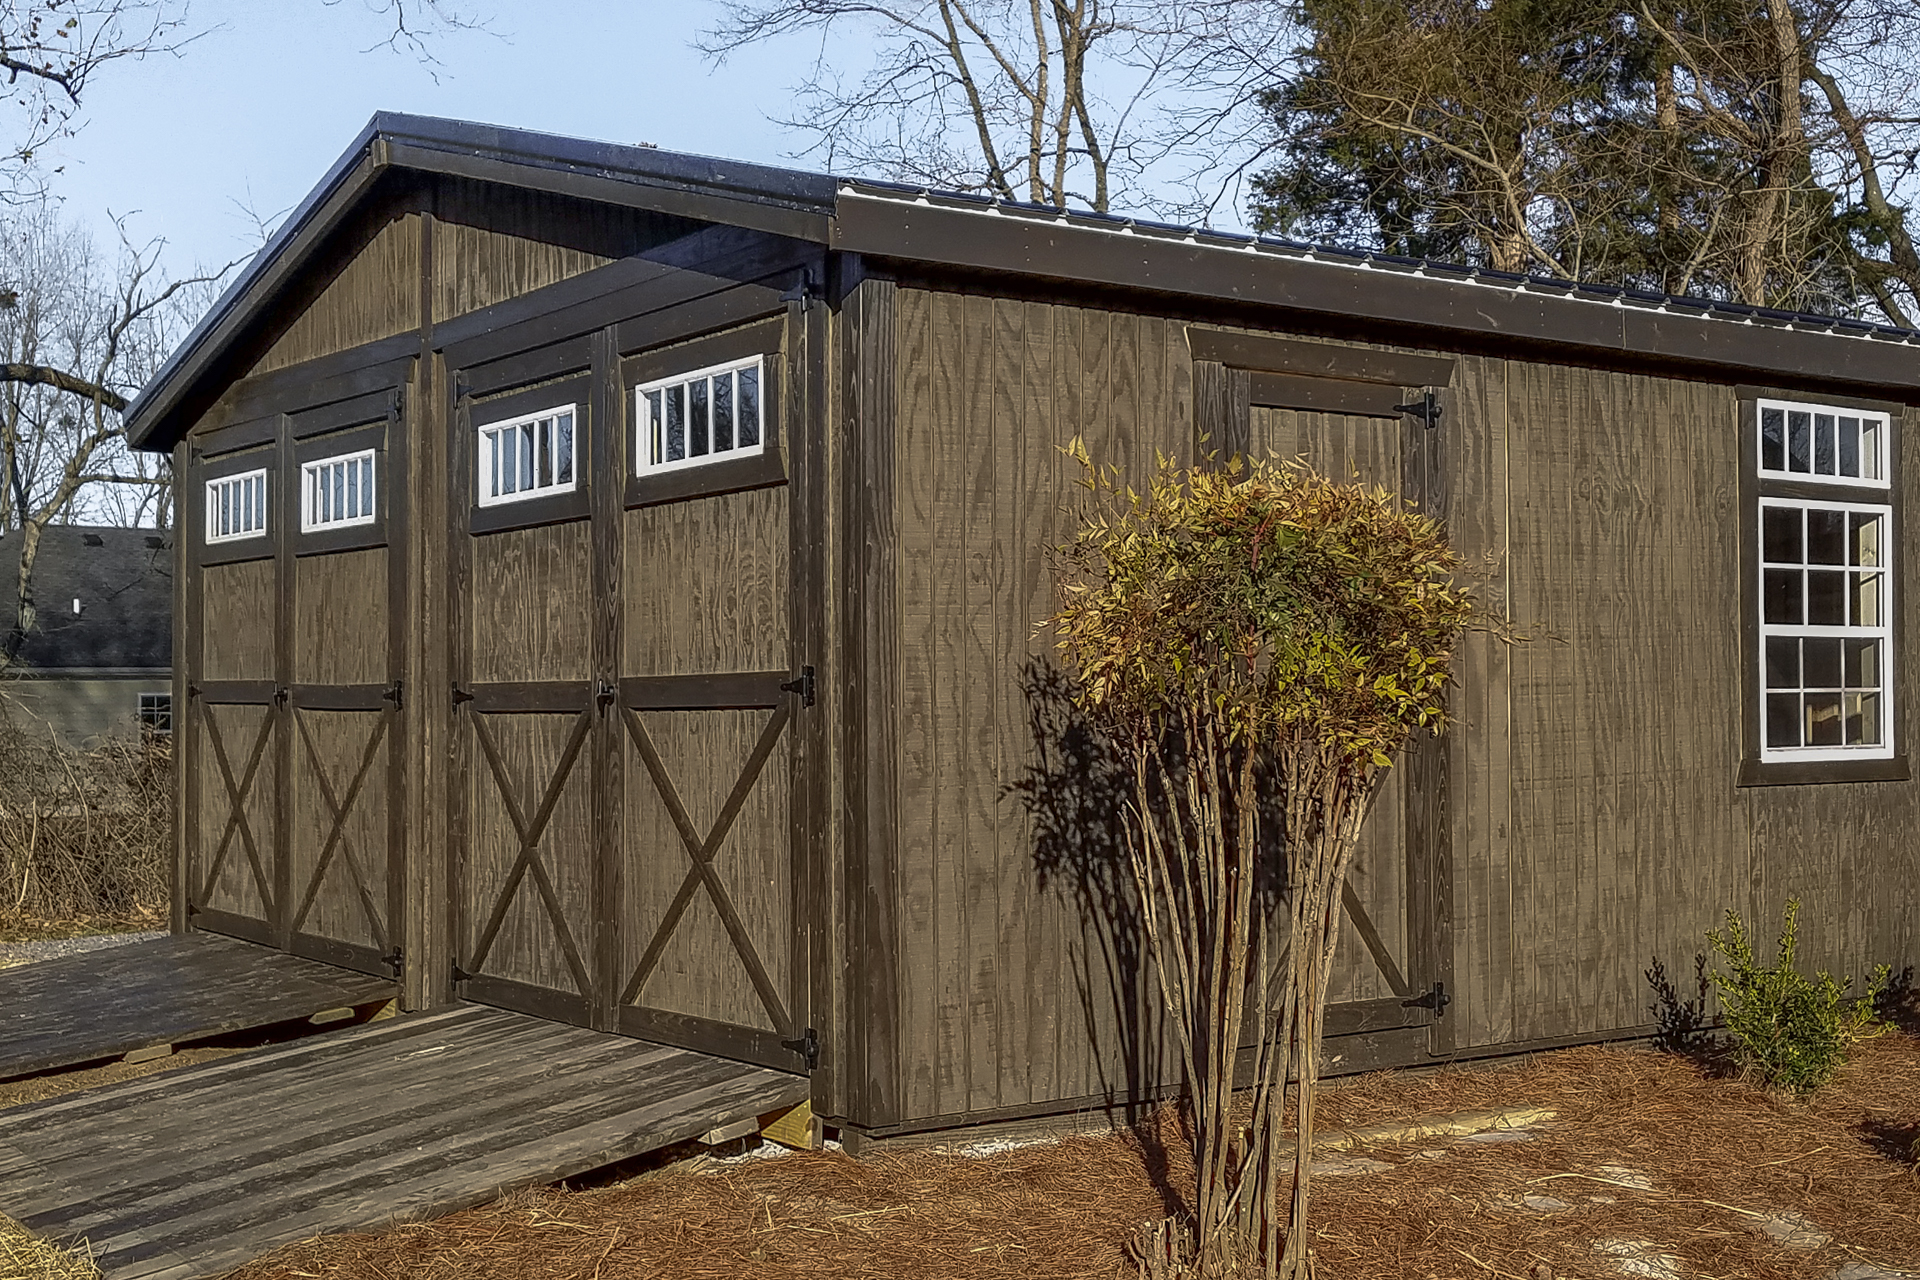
x,y
609,578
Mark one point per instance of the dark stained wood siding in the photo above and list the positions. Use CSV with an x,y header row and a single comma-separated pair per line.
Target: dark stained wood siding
x,y
374,295
475,267
1010,986
237,604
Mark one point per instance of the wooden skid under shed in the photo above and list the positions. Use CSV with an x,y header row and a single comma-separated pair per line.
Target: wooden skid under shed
x,y
163,991
192,1172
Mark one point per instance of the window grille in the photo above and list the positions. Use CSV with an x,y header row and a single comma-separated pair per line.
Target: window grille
x,y
338,492
156,714
705,416
237,506
527,457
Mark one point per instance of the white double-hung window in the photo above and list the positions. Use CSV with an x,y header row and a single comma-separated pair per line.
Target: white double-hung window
x,y
708,415
337,493
530,456
237,506
1826,583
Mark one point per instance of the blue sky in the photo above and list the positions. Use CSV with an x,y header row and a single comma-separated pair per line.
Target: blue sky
x,y
250,115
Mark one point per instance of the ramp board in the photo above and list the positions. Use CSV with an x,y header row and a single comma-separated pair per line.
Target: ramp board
x,y
101,1004
192,1172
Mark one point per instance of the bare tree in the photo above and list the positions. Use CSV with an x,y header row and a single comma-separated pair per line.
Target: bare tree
x,y
1052,101
63,455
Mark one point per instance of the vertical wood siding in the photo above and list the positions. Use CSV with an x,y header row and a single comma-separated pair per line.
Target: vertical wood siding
x,y
340,617
1014,986
237,604
475,267
374,295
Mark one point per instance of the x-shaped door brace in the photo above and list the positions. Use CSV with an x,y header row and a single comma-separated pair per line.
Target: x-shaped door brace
x,y
237,794
1363,925
702,852
529,833
338,810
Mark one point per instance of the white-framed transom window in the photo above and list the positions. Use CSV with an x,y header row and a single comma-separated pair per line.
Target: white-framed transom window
x,y
708,415
1826,639
527,457
336,493
1822,444
237,506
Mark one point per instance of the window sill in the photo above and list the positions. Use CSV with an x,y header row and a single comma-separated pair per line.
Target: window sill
x,y
1790,773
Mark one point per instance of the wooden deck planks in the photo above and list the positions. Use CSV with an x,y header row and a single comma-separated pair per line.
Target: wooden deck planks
x,y
193,1172
164,991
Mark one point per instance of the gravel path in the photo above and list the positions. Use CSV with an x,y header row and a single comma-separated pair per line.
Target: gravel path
x,y
13,953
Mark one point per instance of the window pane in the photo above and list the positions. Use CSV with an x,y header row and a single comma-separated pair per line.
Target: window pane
x,y
1783,597
563,469
353,489
366,487
526,455
1823,444
1780,536
543,453
1826,599
226,506
1866,539
1871,435
697,418
722,412
339,488
1826,536
1866,599
1863,719
1799,441
1783,719
1863,664
1783,662
1823,720
654,456
749,407
1822,658
1773,439
1849,446
676,423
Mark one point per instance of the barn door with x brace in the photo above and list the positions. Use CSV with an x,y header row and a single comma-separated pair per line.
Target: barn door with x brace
x,y
1371,425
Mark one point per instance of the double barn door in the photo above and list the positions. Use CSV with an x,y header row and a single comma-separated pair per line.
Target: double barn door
x,y
628,785
291,734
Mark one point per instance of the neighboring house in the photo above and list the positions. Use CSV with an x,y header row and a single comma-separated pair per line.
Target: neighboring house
x,y
611,585
99,658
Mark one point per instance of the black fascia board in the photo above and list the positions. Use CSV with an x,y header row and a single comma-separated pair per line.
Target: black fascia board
x,y
913,231
790,202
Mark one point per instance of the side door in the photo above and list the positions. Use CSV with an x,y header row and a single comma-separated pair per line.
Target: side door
x,y
1389,974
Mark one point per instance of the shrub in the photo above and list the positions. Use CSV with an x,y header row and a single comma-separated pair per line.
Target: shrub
x,y
1790,1031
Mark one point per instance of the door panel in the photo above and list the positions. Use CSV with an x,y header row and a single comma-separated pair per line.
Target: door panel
x,y
1377,970
233,865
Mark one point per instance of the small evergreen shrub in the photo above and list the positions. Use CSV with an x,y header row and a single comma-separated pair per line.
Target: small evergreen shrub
x,y
1790,1031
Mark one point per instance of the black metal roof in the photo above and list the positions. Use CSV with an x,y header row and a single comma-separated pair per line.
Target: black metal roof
x,y
901,222
122,580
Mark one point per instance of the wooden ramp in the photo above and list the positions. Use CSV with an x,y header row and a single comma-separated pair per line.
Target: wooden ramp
x,y
163,991
193,1172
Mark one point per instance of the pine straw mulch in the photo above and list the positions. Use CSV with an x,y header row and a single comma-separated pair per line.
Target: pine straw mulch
x,y
1716,1156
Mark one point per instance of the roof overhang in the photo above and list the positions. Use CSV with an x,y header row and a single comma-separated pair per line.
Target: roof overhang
x,y
1435,303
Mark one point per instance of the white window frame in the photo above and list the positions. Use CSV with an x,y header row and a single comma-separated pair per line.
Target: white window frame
x,y
1882,463
236,484
368,492
484,459
1883,632
643,460
151,709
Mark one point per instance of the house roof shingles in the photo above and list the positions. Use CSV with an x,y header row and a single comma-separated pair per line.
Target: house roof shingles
x,y
124,583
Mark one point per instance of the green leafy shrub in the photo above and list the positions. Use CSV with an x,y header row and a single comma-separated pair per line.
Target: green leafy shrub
x,y
1790,1031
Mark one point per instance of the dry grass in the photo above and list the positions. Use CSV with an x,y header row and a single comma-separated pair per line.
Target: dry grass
x,y
1716,1154
23,1256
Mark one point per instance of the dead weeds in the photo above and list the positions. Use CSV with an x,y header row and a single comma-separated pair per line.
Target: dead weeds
x,y
1651,1158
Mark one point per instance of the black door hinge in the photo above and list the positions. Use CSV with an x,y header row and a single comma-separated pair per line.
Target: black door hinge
x,y
459,974
807,1046
1437,1000
802,685
1427,409
394,694
803,289
461,695
606,693
394,960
